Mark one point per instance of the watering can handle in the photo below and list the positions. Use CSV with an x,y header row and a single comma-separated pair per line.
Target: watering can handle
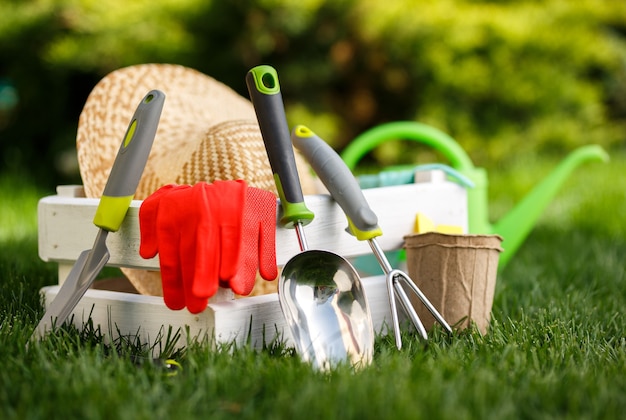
x,y
408,130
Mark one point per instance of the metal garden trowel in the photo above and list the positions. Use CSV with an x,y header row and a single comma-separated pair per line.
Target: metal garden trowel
x,y
118,193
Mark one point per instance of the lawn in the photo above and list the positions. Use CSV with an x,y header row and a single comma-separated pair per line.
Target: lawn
x,y
556,347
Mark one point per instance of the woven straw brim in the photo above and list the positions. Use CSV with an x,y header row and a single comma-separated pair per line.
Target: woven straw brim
x,y
206,132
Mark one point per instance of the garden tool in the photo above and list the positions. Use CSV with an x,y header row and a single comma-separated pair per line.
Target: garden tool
x,y
515,226
116,198
363,223
319,292
208,235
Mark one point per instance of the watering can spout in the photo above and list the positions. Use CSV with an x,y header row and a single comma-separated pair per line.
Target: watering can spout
x,y
515,226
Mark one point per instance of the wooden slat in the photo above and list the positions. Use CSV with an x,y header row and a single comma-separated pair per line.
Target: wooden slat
x,y
66,229
256,319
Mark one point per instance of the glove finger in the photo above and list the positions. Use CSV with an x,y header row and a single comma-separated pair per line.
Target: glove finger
x,y
206,281
267,234
258,237
206,247
243,281
228,204
171,276
195,304
148,213
148,246
267,250
171,212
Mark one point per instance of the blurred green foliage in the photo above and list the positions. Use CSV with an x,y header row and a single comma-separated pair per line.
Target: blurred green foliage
x,y
505,78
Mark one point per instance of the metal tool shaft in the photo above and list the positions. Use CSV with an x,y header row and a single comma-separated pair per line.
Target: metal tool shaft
x,y
301,237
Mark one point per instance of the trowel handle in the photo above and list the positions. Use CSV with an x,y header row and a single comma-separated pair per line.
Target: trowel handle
x,y
340,182
264,89
130,162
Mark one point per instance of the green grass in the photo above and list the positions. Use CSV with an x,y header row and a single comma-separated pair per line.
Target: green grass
x,y
556,348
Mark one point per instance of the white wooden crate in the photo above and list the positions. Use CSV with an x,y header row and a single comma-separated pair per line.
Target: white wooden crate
x,y
66,229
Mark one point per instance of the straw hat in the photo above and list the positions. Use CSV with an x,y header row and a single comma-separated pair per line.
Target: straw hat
x,y
206,132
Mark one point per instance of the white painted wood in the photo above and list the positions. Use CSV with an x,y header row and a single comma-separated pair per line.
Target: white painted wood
x,y
66,229
75,191
256,319
64,271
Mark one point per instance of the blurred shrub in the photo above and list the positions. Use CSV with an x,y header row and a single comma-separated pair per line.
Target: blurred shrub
x,y
503,78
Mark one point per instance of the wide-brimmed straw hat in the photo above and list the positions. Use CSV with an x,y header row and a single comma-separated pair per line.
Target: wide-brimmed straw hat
x,y
207,132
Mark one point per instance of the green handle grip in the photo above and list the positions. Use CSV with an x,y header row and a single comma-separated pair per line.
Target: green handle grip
x,y
264,90
130,162
341,184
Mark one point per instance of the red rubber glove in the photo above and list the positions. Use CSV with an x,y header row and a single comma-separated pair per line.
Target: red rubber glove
x,y
258,241
206,235
196,232
176,223
226,201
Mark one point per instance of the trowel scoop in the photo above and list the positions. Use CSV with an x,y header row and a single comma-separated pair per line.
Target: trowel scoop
x,y
320,293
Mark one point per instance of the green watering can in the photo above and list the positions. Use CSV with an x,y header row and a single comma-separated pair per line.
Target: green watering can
x,y
515,226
